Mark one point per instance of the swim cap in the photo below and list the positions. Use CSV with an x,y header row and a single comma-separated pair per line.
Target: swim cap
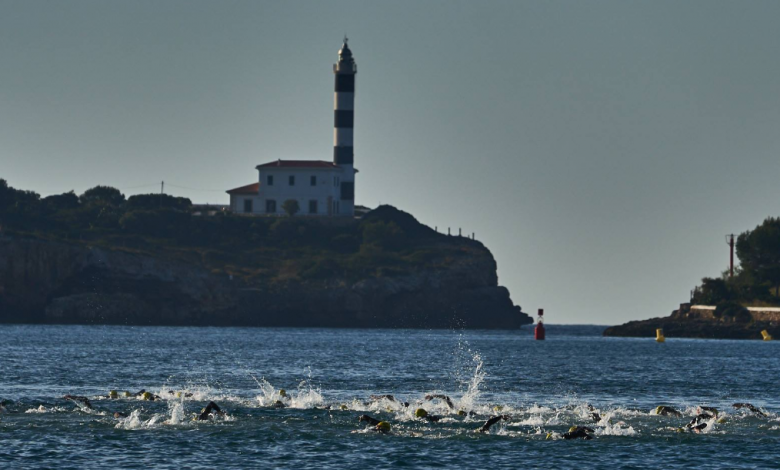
x,y
549,436
128,394
112,394
343,407
283,392
573,428
498,408
420,413
383,426
147,396
461,413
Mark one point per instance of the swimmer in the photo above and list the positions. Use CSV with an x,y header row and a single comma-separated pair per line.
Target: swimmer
x,y
148,396
379,426
699,423
388,398
491,421
119,414
3,409
421,413
667,411
211,410
579,432
594,414
180,394
368,419
707,409
750,407
78,399
446,399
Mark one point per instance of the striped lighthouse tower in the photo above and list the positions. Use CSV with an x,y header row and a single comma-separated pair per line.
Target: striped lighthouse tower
x,y
344,123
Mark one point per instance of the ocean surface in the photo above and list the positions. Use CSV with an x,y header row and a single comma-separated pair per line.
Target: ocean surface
x,y
542,387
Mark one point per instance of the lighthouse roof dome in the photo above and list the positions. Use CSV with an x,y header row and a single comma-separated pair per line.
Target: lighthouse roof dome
x,y
345,54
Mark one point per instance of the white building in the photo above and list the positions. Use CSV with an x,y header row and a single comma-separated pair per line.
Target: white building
x,y
321,188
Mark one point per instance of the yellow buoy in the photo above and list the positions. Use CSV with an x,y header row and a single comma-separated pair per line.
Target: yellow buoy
x,y
766,335
659,335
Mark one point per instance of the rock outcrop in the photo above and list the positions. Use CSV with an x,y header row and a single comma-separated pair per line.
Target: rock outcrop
x,y
45,281
693,323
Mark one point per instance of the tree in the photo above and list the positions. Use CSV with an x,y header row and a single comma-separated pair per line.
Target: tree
x,y
712,292
156,201
59,202
104,195
291,207
759,252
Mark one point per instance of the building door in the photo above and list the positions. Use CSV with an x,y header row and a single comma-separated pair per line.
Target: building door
x,y
248,206
270,206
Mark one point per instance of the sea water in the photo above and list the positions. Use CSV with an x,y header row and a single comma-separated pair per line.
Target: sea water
x,y
544,387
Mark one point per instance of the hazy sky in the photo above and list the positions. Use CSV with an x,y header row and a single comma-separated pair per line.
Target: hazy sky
x,y
601,150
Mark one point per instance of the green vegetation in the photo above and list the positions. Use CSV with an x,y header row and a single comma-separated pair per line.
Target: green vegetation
x,y
756,281
291,207
385,242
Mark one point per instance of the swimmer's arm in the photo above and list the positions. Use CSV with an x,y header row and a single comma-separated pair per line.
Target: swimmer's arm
x,y
490,422
443,397
371,421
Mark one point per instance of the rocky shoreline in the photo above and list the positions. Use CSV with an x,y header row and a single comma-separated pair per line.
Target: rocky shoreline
x,y
44,281
688,322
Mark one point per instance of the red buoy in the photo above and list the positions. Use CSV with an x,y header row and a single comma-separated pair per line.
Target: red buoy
x,y
539,330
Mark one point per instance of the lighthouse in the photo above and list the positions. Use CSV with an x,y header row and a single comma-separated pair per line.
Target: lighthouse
x,y
321,188
344,125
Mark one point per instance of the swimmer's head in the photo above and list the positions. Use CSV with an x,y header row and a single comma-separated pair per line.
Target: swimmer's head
x,y
127,394
573,428
112,394
420,413
147,396
461,413
343,407
383,426
498,408
283,393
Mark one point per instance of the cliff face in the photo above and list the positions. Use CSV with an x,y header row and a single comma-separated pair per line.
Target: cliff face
x,y
695,323
56,282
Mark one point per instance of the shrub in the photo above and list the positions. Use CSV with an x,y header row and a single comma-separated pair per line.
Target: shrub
x,y
104,195
291,207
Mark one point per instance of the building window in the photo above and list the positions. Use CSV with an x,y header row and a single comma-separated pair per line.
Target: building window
x,y
292,180
247,206
347,191
313,206
270,180
270,206
314,181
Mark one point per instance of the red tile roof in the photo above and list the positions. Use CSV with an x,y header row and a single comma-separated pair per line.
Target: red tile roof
x,y
298,164
253,188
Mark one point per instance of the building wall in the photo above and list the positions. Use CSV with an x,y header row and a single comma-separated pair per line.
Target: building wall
x,y
326,191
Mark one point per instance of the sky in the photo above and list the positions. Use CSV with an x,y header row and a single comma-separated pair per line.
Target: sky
x,y
601,150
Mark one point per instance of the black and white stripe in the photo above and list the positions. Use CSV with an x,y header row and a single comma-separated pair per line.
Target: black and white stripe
x,y
343,127
344,108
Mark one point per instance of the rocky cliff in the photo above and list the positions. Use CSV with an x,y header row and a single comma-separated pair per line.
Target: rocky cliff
x,y
45,281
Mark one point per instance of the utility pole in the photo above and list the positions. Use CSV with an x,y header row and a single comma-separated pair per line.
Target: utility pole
x,y
730,243
162,191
